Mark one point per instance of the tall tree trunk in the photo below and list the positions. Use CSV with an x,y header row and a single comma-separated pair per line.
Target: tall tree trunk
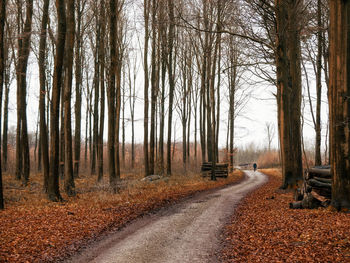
x,y
7,70
111,98
132,98
289,89
96,98
318,160
123,119
53,187
62,113
5,124
68,156
162,29
78,85
102,86
153,86
19,157
339,103
22,144
146,86
2,67
171,39
42,107
25,55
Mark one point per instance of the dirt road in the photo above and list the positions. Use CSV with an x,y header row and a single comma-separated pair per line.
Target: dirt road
x,y
186,232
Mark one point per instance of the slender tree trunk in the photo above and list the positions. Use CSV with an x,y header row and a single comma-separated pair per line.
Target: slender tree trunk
x,y
23,82
146,79
53,186
339,103
68,156
153,87
111,98
162,28
318,160
44,141
78,84
62,113
96,98
102,86
132,98
123,120
5,124
2,69
171,39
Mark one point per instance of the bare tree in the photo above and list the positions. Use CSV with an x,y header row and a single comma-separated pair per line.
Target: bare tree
x,y
270,133
53,186
68,157
339,75
112,97
102,24
146,15
22,144
171,38
2,67
42,107
289,89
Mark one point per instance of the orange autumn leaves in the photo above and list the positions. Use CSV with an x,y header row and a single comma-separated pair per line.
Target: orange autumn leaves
x,y
264,229
34,230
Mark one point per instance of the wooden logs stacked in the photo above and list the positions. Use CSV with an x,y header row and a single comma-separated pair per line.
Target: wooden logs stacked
x,y
316,190
221,169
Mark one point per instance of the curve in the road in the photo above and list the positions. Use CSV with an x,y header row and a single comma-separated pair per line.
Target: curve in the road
x,y
187,232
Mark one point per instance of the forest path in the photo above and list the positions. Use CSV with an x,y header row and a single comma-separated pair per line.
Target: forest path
x,y
186,232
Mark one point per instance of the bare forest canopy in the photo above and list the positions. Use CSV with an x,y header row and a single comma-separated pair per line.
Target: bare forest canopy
x,y
183,71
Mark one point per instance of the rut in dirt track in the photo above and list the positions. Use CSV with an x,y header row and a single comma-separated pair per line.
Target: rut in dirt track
x,y
186,232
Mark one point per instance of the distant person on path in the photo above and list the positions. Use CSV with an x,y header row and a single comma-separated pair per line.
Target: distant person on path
x,y
255,166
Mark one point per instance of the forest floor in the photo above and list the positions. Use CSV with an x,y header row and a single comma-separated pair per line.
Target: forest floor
x,y
264,229
33,229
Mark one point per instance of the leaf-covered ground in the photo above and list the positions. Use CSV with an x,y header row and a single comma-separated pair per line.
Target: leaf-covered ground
x,y
35,230
264,229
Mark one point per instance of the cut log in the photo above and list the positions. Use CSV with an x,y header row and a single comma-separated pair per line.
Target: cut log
x,y
310,202
318,184
295,205
318,197
323,180
324,173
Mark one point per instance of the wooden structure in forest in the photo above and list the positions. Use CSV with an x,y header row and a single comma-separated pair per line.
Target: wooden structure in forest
x,y
221,169
316,190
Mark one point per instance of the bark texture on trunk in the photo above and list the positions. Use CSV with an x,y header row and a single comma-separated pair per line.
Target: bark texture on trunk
x,y
68,156
42,107
111,98
289,89
339,102
53,187
2,66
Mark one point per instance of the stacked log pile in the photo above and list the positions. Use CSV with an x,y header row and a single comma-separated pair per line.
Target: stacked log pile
x,y
221,169
316,190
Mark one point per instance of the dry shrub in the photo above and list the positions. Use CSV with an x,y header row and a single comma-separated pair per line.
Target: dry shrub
x,y
269,159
